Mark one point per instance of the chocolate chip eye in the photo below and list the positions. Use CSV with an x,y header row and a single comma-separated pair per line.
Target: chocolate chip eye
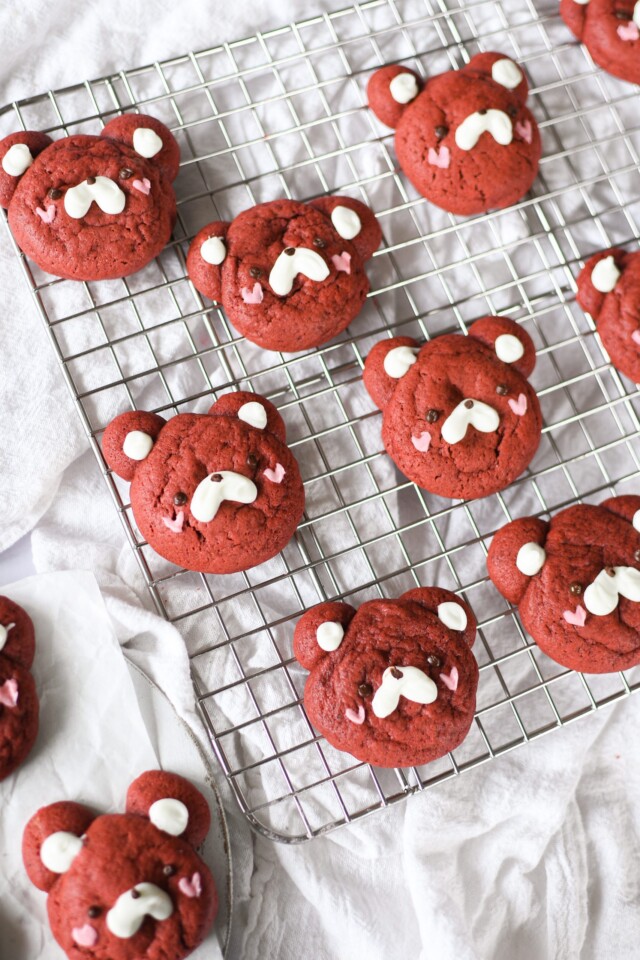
x,y
169,870
621,15
125,173
319,242
252,461
94,912
434,661
365,689
180,499
441,132
432,416
512,111
54,193
502,389
395,673
575,589
255,272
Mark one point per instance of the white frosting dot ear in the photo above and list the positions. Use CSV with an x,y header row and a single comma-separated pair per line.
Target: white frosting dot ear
x,y
507,74
452,615
404,88
530,559
636,521
330,635
397,361
146,142
169,815
17,159
605,275
137,445
346,221
59,850
4,633
254,414
213,250
508,348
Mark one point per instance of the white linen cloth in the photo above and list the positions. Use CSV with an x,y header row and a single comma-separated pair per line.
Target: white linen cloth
x,y
533,856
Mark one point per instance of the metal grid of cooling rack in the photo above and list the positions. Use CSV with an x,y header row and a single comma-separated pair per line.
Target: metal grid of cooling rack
x,y
282,113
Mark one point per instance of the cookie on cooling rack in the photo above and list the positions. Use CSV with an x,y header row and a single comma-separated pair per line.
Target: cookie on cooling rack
x,y
465,139
610,30
459,416
19,707
289,275
126,885
576,582
91,207
609,289
393,684
217,492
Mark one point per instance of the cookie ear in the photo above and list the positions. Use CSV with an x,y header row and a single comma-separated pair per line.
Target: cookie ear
x,y
389,92
206,255
17,639
149,138
320,632
516,554
503,70
451,610
255,410
599,277
386,364
129,439
352,221
17,153
574,14
511,342
52,840
173,805
627,507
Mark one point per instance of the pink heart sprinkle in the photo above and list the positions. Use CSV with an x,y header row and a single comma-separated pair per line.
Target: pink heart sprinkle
x,y
175,525
252,296
9,693
635,336
576,617
86,936
450,680
440,157
628,31
144,186
355,717
275,475
423,442
191,888
342,262
48,215
525,130
519,406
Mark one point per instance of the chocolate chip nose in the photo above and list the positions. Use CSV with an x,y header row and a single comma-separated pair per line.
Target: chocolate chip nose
x,y
289,251
216,478
482,112
468,404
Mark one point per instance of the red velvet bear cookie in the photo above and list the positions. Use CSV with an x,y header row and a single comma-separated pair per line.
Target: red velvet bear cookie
x,y
576,582
217,492
19,707
289,275
87,207
466,141
393,684
126,886
610,30
459,416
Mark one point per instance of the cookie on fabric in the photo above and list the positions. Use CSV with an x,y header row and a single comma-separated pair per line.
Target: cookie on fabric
x,y
393,684
460,418
19,706
91,207
609,289
610,30
125,886
576,582
289,275
217,492
465,139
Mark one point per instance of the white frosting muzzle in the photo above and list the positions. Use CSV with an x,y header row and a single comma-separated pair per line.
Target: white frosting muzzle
x,y
103,191
468,413
601,597
291,262
144,900
210,493
495,122
413,683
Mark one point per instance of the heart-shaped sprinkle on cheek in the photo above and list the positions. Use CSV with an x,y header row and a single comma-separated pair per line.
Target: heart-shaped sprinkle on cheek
x,y
355,717
144,186
577,617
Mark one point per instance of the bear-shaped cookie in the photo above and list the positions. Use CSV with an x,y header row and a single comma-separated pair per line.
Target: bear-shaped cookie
x,y
609,289
464,138
289,275
459,416
91,207
217,492
393,684
576,582
19,707
126,886
610,30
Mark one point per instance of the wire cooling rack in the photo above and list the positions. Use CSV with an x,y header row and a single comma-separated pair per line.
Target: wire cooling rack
x,y
283,113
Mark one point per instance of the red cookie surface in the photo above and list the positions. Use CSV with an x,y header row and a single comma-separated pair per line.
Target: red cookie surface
x,y
91,207
393,684
610,30
216,493
289,275
466,139
125,886
609,289
576,582
19,707
459,416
